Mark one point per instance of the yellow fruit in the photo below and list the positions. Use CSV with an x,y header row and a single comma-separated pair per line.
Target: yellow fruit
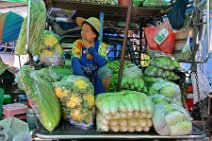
x,y
58,92
74,101
50,40
89,98
47,53
78,115
58,48
81,84
65,93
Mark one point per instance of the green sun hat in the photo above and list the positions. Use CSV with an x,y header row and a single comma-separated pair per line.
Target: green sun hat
x,y
94,22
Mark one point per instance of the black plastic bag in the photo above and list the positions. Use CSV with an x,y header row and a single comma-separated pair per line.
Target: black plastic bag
x,y
177,14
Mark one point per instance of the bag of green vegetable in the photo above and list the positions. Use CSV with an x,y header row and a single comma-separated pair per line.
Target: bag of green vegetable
x,y
37,26
186,53
167,62
171,120
76,94
136,84
158,72
125,111
132,71
114,67
167,89
41,93
156,3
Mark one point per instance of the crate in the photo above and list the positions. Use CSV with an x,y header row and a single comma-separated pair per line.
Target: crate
x,y
10,110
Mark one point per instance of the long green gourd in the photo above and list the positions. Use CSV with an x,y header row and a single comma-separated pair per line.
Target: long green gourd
x,y
41,93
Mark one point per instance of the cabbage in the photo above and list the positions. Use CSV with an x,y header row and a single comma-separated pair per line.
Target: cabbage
x,y
181,128
174,117
168,91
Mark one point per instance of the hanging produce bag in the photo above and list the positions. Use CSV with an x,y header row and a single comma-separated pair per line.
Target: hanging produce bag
x,y
160,37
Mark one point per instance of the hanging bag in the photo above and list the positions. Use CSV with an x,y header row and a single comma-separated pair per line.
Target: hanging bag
x,y
177,14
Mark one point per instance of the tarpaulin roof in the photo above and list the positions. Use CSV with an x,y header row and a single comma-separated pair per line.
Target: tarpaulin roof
x,y
10,26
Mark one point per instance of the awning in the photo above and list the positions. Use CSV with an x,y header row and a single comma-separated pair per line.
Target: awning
x,y
4,4
10,26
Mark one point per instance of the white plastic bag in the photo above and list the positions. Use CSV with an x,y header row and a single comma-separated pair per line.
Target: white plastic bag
x,y
132,71
204,87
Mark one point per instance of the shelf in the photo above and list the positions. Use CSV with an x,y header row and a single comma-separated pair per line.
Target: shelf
x,y
112,12
66,131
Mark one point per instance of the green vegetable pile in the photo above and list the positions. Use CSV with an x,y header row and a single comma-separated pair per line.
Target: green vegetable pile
x,y
114,66
136,84
158,72
156,3
168,92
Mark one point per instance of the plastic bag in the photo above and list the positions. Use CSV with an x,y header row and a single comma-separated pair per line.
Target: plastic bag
x,y
51,53
158,72
177,14
204,86
76,94
39,89
167,46
132,71
165,62
168,89
186,53
171,120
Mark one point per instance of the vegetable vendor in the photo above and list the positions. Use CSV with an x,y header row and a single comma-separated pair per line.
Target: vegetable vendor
x,y
89,56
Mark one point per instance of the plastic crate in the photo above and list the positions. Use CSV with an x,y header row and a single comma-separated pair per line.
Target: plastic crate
x,y
14,109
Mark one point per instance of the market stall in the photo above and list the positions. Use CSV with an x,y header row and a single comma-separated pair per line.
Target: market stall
x,y
143,103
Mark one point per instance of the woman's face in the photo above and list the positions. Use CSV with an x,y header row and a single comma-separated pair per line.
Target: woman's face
x,y
87,33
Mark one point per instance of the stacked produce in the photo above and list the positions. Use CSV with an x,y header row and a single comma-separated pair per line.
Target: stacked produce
x,y
165,62
132,79
51,52
114,66
110,2
156,3
158,72
41,92
145,59
76,94
126,111
162,67
165,92
36,31
171,120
